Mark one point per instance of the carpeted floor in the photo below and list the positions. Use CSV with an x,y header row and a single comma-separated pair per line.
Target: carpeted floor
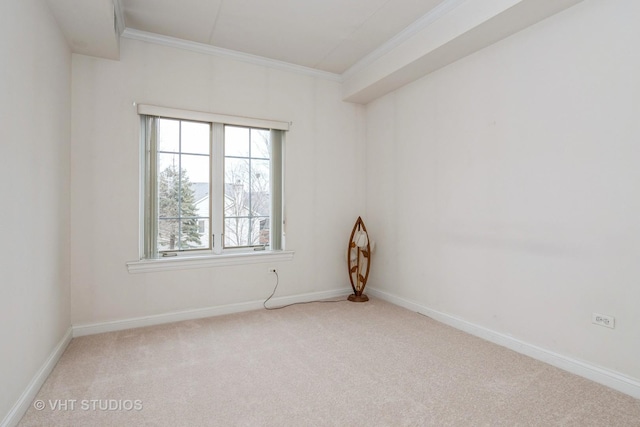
x,y
343,364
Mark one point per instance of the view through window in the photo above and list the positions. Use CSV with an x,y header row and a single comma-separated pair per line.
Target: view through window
x,y
209,187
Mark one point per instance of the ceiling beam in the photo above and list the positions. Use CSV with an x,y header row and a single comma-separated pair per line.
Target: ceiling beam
x,y
458,31
90,27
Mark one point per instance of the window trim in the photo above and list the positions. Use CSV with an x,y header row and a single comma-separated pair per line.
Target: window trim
x,y
149,259
208,260
198,116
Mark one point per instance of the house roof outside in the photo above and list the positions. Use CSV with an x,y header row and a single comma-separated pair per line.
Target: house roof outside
x,y
200,191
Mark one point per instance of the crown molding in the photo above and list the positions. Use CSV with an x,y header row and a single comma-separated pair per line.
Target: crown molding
x,y
436,13
420,24
227,53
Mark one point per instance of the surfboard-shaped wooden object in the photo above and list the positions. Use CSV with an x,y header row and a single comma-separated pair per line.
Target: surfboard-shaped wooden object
x,y
359,258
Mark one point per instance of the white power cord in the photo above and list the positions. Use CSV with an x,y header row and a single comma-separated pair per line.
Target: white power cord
x,y
264,303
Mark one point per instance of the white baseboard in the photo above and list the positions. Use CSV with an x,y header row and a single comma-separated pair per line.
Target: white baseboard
x,y
22,405
600,375
199,313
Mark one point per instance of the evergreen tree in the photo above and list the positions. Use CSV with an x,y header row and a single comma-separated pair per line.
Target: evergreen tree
x,y
177,229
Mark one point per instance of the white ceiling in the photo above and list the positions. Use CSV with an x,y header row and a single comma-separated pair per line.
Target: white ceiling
x,y
371,46
328,35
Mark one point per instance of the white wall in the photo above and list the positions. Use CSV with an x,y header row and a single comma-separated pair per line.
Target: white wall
x,y
504,188
35,105
324,178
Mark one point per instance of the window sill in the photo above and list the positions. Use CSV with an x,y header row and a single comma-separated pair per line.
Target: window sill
x,y
186,263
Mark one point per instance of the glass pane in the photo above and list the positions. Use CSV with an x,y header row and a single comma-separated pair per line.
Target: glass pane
x,y
168,186
260,187
236,141
183,185
190,236
195,183
260,143
201,198
195,171
168,135
236,232
204,228
236,187
195,168
260,231
168,235
195,137
168,161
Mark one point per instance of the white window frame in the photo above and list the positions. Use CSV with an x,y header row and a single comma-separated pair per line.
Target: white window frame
x,y
217,256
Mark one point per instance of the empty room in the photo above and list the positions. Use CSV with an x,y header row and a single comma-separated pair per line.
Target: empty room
x,y
331,213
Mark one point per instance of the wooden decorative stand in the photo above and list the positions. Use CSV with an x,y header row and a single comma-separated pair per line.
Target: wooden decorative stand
x,y
359,258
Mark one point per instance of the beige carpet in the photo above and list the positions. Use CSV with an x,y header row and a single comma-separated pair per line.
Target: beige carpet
x,y
343,364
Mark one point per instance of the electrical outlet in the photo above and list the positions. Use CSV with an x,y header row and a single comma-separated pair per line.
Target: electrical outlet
x,y
273,270
603,320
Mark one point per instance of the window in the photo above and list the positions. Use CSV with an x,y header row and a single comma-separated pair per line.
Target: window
x,y
247,201
212,183
183,166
